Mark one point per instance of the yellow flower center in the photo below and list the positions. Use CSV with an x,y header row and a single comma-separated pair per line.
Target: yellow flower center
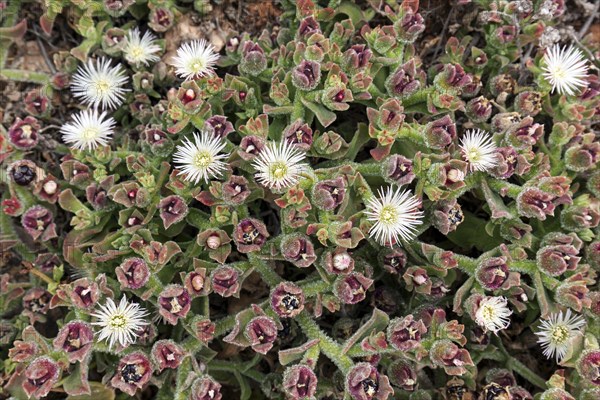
x,y
203,159
136,52
278,170
89,133
559,73
197,66
488,313
388,215
559,334
117,321
102,87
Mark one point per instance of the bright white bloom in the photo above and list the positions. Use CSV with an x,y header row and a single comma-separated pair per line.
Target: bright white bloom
x,y
195,59
279,166
200,160
493,314
557,331
565,69
88,130
120,323
478,150
395,214
141,49
100,84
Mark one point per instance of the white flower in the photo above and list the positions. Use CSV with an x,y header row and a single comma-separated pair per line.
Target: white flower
x,y
195,59
395,214
99,84
120,323
141,49
200,159
493,314
279,166
88,130
565,69
556,333
478,150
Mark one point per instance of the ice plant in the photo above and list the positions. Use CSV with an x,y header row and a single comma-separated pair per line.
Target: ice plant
x,y
395,215
279,166
479,150
557,331
88,130
119,323
493,314
99,84
195,59
141,49
565,69
201,159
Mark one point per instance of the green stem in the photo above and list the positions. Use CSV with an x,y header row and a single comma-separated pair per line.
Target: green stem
x,y
266,272
329,347
24,76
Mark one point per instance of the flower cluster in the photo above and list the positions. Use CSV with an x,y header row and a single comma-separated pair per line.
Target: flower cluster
x,y
337,206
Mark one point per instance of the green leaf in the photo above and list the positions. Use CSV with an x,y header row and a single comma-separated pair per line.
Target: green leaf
x,y
471,234
324,116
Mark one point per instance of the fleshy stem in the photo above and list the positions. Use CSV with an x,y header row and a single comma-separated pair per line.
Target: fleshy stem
x,y
520,368
327,345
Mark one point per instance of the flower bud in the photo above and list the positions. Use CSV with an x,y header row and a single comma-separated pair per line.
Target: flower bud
x,y
167,354
580,216
417,279
509,162
364,382
219,126
502,85
352,288
84,293
23,134
556,260
174,303
582,157
448,355
156,141
299,250
39,223
206,388
308,26
253,61
519,393
133,372
47,189
440,133
76,338
299,382
261,332
356,57
37,103
117,8
478,109
398,169
403,375
287,300
299,134
452,77
250,147
525,133
528,103
592,254
573,293
337,261
225,280
404,81
173,209
329,194
113,41
76,173
23,172
250,235
146,334
533,203
133,273
161,19
501,376
195,282
492,273
40,376
204,330
393,260
12,206
447,215
405,333
22,351
307,75
409,25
